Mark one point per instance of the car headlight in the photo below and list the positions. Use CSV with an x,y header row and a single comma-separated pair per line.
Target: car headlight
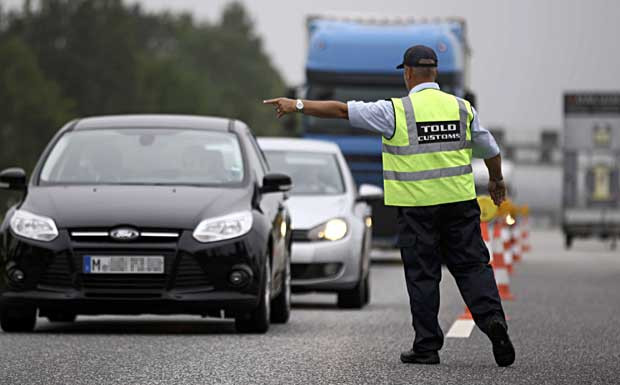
x,y
226,227
332,230
32,226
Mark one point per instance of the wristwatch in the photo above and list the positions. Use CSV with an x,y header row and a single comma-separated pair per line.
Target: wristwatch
x,y
299,105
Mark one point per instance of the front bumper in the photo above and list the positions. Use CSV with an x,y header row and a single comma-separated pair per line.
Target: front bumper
x,y
195,279
307,259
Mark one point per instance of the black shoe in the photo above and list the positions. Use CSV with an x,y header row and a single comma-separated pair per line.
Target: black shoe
x,y
411,357
503,351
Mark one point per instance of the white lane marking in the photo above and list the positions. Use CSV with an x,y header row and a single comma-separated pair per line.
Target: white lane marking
x,y
461,328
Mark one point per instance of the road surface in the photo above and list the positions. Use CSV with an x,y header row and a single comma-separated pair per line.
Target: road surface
x,y
564,323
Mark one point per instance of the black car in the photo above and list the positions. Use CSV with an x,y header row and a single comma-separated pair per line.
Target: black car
x,y
157,214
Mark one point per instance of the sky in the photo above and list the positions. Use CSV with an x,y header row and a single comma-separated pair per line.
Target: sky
x,y
526,53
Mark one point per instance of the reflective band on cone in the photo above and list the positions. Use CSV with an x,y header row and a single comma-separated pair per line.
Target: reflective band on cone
x,y
506,242
500,267
515,241
525,235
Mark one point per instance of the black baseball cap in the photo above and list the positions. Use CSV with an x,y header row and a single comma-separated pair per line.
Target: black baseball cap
x,y
419,56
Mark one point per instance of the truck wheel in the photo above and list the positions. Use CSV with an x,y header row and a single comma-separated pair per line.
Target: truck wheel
x,y
281,305
353,298
257,321
568,241
18,319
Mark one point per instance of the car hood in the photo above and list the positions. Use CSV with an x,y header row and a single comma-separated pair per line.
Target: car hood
x,y
310,211
140,206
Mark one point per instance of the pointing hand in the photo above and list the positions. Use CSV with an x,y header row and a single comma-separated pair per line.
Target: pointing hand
x,y
282,106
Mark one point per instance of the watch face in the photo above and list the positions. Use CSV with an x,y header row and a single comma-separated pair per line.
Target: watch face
x,y
300,105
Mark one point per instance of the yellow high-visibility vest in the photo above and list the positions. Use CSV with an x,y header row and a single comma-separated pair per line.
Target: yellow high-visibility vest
x,y
428,159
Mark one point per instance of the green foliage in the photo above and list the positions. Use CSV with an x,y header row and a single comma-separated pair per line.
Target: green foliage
x,y
70,58
31,107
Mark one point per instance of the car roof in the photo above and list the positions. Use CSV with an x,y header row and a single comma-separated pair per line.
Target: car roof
x,y
297,144
157,121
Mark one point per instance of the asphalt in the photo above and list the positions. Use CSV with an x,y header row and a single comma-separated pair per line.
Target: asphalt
x,y
564,324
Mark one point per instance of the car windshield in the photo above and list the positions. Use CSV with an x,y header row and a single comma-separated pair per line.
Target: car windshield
x,y
144,156
312,173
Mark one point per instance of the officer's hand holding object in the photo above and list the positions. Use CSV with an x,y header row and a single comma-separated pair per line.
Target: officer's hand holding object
x,y
497,190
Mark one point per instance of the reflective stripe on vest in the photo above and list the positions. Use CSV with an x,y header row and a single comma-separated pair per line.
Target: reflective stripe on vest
x,y
428,159
429,174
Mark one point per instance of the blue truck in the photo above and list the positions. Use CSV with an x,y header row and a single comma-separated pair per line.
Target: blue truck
x,y
355,59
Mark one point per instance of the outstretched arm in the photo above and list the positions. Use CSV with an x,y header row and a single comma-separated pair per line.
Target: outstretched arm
x,y
320,109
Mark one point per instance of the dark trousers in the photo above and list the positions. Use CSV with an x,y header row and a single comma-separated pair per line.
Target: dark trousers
x,y
450,233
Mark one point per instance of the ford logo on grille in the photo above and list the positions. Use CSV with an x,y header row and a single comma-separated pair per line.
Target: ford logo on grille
x,y
124,234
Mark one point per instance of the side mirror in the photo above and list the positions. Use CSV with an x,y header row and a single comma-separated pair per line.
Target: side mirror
x,y
13,179
369,192
276,183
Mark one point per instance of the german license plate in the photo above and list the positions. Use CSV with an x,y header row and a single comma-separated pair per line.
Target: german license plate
x,y
134,264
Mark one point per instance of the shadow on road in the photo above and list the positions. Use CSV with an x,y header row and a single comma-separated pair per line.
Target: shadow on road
x,y
163,327
315,305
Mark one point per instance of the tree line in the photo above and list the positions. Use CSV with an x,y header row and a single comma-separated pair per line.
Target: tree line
x,y
62,59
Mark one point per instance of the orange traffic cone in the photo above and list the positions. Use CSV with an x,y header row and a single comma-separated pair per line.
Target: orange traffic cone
x,y
500,268
466,314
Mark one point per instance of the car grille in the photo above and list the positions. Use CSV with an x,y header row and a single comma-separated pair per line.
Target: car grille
x,y
114,285
58,272
189,274
125,285
181,272
315,270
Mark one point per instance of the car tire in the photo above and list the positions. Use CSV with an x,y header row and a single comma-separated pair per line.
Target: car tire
x,y
353,298
62,317
258,320
18,320
281,305
367,289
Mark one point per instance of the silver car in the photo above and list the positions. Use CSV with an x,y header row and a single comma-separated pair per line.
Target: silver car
x,y
331,219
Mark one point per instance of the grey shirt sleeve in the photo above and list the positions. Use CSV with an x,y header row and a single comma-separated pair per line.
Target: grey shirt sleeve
x,y
484,145
373,116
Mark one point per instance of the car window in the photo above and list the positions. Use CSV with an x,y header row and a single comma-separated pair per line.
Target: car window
x,y
312,173
263,160
144,156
